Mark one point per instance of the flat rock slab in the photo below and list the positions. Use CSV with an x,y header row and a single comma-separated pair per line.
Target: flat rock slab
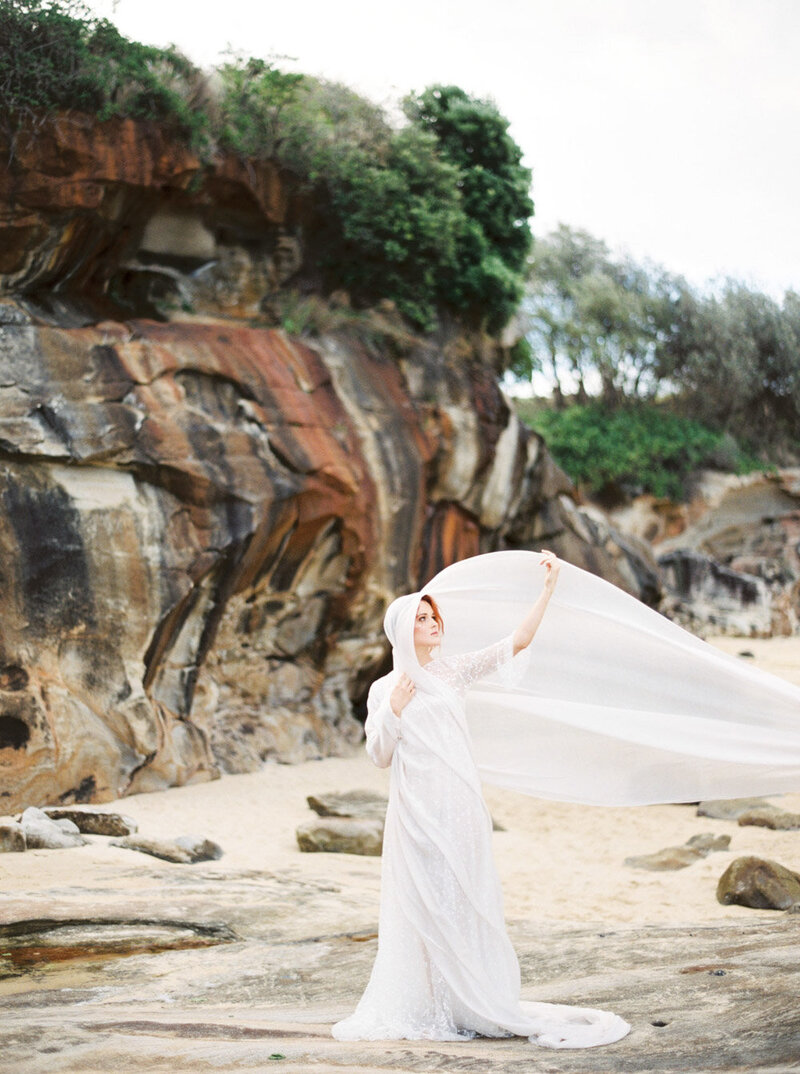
x,y
708,999
93,821
361,804
185,850
729,808
26,945
779,820
698,847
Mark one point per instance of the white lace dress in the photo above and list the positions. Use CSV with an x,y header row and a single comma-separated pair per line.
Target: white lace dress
x,y
445,968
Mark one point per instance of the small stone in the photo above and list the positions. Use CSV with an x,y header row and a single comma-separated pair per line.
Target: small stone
x,y
768,816
185,850
759,883
729,808
92,821
669,858
342,835
707,842
42,833
12,837
699,846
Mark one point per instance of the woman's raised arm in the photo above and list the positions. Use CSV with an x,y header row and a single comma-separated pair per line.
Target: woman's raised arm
x,y
523,635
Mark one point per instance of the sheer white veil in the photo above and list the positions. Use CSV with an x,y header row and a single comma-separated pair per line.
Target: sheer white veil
x,y
617,706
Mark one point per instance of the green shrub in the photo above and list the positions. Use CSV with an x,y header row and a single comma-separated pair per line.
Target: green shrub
x,y
634,450
56,57
392,224
254,96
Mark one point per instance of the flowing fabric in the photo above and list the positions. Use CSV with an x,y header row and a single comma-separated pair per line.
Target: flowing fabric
x,y
616,705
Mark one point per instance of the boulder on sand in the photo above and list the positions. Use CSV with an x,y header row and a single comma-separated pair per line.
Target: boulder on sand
x,y
342,835
759,883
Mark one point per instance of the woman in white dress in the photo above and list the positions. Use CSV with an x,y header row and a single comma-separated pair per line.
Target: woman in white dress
x,y
445,969
618,707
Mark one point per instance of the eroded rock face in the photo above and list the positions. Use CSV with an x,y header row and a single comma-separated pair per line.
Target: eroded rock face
x,y
84,202
729,557
201,527
202,523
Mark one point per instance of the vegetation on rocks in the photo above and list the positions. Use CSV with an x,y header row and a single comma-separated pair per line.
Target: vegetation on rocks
x,y
431,214
55,56
622,338
621,452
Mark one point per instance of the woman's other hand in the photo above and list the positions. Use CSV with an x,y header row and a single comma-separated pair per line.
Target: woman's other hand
x,y
402,694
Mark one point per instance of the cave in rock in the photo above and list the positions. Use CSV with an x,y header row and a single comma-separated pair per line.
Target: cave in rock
x,y
14,733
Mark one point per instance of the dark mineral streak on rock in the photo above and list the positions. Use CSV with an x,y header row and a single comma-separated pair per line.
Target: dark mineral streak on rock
x,y
51,561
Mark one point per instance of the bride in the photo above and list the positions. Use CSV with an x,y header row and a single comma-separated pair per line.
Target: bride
x,y
445,968
618,707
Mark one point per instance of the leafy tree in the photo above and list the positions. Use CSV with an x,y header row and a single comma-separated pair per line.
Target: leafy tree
x,y
254,98
734,361
325,121
492,245
625,333
596,321
560,342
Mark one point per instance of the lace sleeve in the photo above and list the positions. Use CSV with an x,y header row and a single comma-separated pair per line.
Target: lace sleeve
x,y
463,669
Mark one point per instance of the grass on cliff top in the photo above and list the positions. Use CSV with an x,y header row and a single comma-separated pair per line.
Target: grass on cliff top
x,y
642,448
56,56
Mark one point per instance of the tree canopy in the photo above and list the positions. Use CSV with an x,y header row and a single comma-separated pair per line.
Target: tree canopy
x,y
610,330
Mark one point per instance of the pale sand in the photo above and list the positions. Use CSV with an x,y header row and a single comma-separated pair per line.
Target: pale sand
x,y
558,863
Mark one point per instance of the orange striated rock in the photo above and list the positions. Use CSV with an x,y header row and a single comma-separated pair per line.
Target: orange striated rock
x,y
77,196
200,529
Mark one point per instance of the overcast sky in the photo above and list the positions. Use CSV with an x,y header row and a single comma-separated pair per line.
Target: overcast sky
x,y
669,128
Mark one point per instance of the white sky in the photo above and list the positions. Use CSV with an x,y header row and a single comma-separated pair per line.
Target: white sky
x,y
669,128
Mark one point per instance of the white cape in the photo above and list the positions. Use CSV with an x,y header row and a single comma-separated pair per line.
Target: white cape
x,y
617,705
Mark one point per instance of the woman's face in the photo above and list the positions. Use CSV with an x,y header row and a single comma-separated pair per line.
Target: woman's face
x,y
426,629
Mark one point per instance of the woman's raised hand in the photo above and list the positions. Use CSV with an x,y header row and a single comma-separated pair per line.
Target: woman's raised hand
x,y
401,695
552,566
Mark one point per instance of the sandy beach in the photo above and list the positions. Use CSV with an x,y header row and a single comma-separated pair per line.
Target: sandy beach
x,y
123,977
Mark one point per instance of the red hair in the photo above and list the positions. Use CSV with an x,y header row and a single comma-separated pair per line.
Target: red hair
x,y
437,615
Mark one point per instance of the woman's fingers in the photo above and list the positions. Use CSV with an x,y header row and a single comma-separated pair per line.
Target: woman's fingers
x,y
407,683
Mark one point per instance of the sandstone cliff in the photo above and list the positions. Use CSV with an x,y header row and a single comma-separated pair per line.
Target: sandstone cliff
x,y
202,520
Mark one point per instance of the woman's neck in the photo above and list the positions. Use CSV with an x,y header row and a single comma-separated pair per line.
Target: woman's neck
x,y
424,654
